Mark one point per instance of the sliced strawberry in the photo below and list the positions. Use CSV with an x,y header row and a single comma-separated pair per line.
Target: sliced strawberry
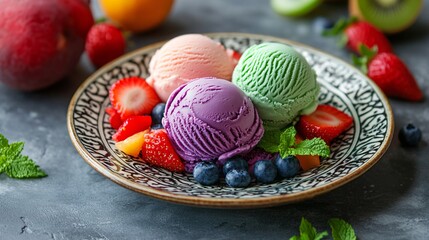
x,y
133,96
158,151
114,119
236,55
326,122
132,126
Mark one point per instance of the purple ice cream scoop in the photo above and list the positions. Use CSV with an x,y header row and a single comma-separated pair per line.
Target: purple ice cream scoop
x,y
211,119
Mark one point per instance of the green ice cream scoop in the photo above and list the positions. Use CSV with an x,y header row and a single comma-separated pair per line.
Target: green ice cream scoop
x,y
279,81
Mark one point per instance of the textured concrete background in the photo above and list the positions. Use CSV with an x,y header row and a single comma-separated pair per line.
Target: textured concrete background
x,y
390,201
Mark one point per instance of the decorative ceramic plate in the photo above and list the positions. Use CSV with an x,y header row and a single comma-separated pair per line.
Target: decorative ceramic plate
x,y
342,86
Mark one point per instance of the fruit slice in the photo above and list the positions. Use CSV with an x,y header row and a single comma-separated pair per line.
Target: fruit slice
x,y
326,122
132,126
157,150
132,145
294,8
133,96
114,119
389,16
306,161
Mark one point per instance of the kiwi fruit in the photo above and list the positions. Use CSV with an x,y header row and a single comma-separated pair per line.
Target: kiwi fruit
x,y
390,16
294,8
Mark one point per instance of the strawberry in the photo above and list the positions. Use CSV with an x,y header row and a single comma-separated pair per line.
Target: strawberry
x,y
115,119
356,33
391,74
104,43
236,55
132,126
326,122
157,150
133,96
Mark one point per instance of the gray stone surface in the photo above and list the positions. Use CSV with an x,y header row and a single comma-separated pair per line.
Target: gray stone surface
x,y
390,201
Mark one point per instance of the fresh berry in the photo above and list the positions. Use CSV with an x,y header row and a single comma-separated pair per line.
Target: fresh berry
x,y
235,163
238,178
158,113
157,150
356,33
206,173
133,96
287,167
265,171
114,119
410,135
132,126
326,123
104,43
321,24
390,74
157,126
132,145
236,55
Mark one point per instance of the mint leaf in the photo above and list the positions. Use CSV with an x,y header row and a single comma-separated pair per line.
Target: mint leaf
x,y
13,150
14,164
321,235
287,138
270,141
24,167
3,163
315,146
341,230
307,228
308,232
3,142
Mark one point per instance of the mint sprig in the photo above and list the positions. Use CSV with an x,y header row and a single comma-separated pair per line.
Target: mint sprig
x,y
283,142
341,230
16,165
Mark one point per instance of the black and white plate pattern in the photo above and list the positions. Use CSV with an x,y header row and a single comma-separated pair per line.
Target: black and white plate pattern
x,y
342,86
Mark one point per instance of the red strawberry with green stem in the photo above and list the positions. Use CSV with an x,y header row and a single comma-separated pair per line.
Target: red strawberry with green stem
x,y
132,126
133,96
389,72
355,33
157,150
326,122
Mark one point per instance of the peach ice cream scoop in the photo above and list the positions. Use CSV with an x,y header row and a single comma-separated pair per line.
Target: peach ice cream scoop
x,y
185,58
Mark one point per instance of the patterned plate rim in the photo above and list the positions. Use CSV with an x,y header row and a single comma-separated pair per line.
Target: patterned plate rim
x,y
233,202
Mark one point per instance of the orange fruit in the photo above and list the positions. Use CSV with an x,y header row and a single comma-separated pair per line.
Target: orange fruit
x,y
136,15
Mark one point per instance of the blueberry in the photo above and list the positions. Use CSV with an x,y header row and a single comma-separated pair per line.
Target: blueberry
x,y
265,171
287,167
206,173
410,135
235,163
158,113
320,24
157,126
238,178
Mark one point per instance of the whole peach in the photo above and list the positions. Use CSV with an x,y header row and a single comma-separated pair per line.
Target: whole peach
x,y
41,41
